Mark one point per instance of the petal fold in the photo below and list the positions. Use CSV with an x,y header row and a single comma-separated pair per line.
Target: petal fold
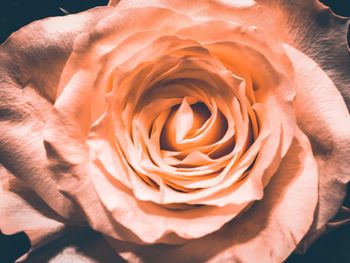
x,y
285,214
324,117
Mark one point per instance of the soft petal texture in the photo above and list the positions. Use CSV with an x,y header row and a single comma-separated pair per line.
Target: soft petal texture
x,y
45,45
64,178
316,31
247,238
110,48
327,123
22,210
307,25
95,47
31,63
152,223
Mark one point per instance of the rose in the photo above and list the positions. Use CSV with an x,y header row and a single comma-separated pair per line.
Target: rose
x,y
67,162
130,156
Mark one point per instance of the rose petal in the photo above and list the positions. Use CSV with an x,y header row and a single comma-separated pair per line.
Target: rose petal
x,y
113,2
285,214
22,150
72,155
135,155
31,62
307,25
22,210
89,61
71,168
323,116
152,223
36,53
70,164
315,30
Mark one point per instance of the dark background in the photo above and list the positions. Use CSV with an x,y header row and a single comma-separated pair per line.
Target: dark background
x,y
333,248
16,13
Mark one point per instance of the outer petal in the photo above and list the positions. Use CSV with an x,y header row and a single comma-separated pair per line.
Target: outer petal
x,y
307,25
126,211
316,31
31,62
323,116
37,52
284,215
69,161
22,210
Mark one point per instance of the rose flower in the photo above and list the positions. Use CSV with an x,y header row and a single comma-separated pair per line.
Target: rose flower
x,y
183,131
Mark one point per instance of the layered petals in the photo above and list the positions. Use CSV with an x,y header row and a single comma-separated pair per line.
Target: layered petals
x,y
246,238
201,130
31,63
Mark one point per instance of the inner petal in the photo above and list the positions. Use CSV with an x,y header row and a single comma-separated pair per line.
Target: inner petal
x,y
183,120
200,120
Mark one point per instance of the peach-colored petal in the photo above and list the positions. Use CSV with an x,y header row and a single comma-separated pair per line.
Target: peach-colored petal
x,y
91,55
31,63
22,146
136,157
183,121
70,122
223,11
127,143
323,116
113,2
315,30
250,238
69,163
116,138
22,210
307,25
46,44
152,223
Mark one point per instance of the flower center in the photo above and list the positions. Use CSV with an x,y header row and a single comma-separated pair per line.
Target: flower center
x,y
185,123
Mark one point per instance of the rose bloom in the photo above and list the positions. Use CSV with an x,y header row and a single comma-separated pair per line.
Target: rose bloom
x,y
183,131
